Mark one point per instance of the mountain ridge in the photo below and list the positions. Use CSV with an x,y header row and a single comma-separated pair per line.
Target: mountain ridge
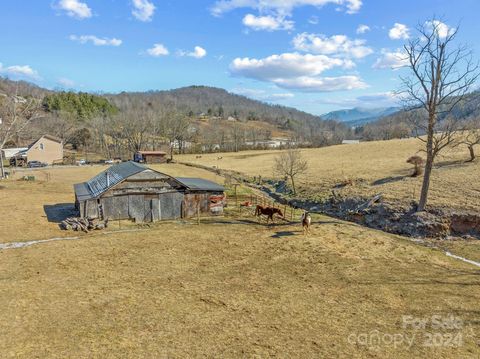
x,y
359,116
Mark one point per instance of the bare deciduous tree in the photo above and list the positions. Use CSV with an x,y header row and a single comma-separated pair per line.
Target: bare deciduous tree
x,y
133,127
470,137
16,113
290,164
441,76
175,128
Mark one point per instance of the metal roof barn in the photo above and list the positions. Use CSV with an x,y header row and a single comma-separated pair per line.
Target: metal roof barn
x,y
132,191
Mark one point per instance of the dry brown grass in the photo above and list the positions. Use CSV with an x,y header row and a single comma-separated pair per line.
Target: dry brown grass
x,y
230,287
23,203
230,290
374,166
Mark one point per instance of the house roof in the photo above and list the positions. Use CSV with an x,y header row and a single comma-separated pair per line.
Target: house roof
x,y
200,184
48,137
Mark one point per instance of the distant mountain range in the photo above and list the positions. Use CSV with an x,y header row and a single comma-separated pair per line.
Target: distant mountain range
x,y
359,116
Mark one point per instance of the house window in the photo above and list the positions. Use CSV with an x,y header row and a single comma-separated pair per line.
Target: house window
x,y
41,146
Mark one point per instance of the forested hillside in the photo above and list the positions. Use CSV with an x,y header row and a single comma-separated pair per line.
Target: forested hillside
x,y
195,118
213,101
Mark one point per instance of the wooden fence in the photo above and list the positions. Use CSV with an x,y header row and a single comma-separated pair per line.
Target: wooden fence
x,y
246,203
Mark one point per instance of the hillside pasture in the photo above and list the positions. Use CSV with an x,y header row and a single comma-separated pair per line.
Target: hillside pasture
x,y
229,287
371,167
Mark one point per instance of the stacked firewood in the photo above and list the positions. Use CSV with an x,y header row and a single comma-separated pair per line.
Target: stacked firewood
x,y
83,224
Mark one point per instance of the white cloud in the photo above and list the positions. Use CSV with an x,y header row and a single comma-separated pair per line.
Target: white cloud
x,y
158,50
391,60
442,29
65,83
399,32
362,29
297,71
313,20
143,10
371,100
198,52
334,45
19,71
322,84
263,95
268,23
281,7
75,8
97,41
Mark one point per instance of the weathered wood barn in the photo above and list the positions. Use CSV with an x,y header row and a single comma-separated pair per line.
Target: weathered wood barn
x,y
132,191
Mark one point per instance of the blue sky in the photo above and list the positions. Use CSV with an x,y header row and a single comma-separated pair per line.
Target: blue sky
x,y
315,55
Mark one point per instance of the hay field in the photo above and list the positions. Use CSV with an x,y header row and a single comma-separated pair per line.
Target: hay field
x,y
229,287
374,167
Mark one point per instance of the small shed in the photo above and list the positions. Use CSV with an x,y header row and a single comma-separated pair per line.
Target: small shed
x,y
150,157
133,191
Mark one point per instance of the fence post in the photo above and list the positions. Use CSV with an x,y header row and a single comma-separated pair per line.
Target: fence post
x,y
198,213
236,196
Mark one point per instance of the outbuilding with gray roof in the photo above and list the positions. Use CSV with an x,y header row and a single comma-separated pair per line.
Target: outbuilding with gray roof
x,y
132,191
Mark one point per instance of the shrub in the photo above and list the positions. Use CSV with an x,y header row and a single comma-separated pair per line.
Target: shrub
x,y
418,163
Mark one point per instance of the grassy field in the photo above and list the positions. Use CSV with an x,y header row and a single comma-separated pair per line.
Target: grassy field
x,y
373,167
229,287
24,203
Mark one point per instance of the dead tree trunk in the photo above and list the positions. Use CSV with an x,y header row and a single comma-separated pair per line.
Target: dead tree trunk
x,y
428,167
472,153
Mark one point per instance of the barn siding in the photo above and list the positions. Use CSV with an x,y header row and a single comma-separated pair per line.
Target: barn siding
x,y
121,207
171,205
91,208
143,194
136,207
155,209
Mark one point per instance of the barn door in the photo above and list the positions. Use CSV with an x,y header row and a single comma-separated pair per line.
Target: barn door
x,y
151,208
136,208
171,205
